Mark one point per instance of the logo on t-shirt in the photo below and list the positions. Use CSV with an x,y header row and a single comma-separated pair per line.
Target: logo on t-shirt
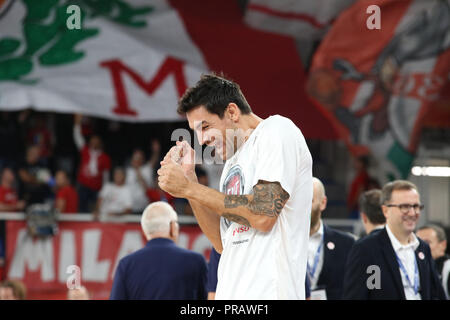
x,y
234,182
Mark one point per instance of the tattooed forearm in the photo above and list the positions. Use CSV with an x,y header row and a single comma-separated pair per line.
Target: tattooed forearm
x,y
268,199
236,218
232,201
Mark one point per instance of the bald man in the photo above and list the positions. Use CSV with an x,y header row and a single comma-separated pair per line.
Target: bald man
x,y
161,270
327,251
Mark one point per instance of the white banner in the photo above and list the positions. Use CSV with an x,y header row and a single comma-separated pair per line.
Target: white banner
x,y
131,60
301,19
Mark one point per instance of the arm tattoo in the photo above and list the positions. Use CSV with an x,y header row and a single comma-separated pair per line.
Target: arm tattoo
x,y
232,201
268,199
236,218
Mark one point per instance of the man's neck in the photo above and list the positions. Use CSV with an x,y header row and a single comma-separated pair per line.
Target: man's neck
x,y
250,121
247,124
159,235
314,228
402,237
371,227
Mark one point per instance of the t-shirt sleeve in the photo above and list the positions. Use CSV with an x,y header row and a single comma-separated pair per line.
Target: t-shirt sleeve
x,y
278,147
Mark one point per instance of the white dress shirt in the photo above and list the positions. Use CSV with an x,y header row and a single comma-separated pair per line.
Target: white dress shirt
x,y
315,241
406,254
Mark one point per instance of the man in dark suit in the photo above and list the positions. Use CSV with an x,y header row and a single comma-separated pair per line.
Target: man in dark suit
x,y
372,215
327,251
436,238
393,264
161,270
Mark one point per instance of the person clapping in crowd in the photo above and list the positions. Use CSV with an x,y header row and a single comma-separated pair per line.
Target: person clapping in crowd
x,y
114,198
140,176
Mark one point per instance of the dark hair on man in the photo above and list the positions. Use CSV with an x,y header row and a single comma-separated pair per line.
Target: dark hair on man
x,y
214,92
370,205
388,188
440,233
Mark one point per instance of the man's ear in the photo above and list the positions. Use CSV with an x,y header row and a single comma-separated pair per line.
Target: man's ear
x,y
233,112
174,230
443,245
364,217
385,210
323,203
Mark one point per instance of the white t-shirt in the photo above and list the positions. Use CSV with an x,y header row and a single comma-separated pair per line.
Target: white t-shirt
x,y
115,199
138,195
272,265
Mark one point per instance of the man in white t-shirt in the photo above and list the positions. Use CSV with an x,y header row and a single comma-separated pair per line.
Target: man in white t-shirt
x,y
114,199
259,221
139,179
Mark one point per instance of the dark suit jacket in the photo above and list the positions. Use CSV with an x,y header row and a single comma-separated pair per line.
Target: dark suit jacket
x,y
376,249
332,274
160,271
213,264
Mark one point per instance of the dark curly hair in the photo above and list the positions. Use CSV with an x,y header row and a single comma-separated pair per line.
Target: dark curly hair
x,y
214,92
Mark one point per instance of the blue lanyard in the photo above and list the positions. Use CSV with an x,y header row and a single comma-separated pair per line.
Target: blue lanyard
x,y
416,273
316,260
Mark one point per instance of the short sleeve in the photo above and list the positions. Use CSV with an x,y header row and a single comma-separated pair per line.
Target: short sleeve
x,y
224,225
278,147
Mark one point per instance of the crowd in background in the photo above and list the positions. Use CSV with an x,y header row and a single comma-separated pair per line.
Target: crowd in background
x,y
68,159
81,164
106,168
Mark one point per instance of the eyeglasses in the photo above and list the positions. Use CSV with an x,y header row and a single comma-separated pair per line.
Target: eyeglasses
x,y
405,207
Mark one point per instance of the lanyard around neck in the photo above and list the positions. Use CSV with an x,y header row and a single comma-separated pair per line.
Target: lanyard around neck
x,y
416,274
312,271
